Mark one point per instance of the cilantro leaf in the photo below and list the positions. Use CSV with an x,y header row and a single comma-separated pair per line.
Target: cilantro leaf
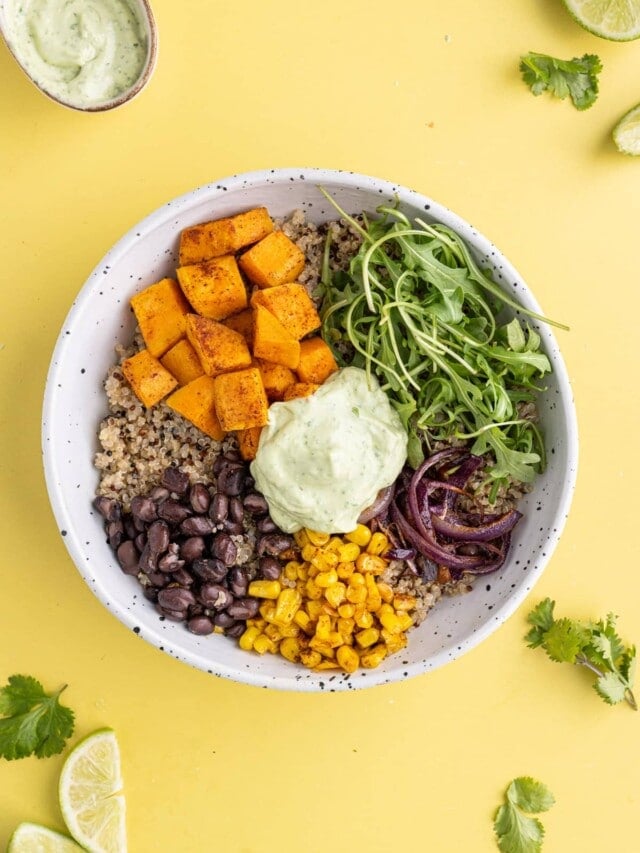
x,y
541,617
515,829
32,722
576,78
564,640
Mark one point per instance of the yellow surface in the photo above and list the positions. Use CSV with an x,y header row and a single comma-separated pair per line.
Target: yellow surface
x,y
429,95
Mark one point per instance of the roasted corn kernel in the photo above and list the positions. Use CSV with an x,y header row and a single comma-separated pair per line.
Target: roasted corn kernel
x,y
361,535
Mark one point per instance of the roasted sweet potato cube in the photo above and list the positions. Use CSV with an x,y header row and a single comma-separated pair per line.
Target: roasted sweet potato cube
x,y
316,361
248,440
160,310
274,260
243,323
215,288
224,236
196,403
241,402
276,378
292,306
300,389
271,341
182,362
149,380
218,347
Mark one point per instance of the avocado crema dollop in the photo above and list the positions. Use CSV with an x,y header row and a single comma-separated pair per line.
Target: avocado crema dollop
x,y
323,459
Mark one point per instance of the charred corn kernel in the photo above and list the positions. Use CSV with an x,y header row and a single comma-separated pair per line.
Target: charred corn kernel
x,y
336,639
356,594
373,657
378,544
303,572
273,632
290,649
404,602
289,630
308,552
374,599
263,644
336,593
291,571
312,570
267,611
334,544
345,570
346,611
349,553
357,579
370,563
385,608
247,639
361,535
302,619
363,618
345,626
310,658
218,630
348,658
367,637
287,605
314,609
323,646
317,538
323,628
395,623
256,623
301,538
386,593
326,579
314,592
327,664
393,642
324,560
265,589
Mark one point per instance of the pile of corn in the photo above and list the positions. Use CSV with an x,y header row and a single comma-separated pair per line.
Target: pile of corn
x,y
329,610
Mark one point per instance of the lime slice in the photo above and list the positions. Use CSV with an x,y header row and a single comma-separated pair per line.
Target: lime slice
x,y
626,134
89,782
616,20
32,838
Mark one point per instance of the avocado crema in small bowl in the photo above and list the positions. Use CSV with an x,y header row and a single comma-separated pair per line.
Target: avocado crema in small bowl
x,y
89,55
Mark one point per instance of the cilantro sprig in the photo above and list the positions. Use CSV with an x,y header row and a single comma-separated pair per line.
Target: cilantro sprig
x,y
576,78
33,722
593,645
515,829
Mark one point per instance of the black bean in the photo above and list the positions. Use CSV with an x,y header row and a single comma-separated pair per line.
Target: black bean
x,y
199,498
140,540
200,625
238,581
197,525
223,461
159,494
244,608
109,508
115,533
150,593
210,570
236,510
195,610
224,548
175,480
148,561
173,511
128,555
223,620
219,508
144,508
232,527
269,568
192,548
139,524
158,537
273,544
214,596
158,578
236,630
176,598
129,527
171,562
231,480
255,504
174,615
266,525
182,577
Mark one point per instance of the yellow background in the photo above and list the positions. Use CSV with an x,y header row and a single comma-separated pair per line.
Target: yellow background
x,y
426,94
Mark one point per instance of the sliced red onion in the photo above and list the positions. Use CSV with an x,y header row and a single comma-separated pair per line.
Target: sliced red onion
x,y
381,503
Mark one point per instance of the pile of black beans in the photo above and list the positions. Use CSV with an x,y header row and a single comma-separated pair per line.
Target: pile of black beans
x,y
177,540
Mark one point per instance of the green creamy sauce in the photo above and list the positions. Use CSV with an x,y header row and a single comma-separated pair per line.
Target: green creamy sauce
x,y
84,52
323,459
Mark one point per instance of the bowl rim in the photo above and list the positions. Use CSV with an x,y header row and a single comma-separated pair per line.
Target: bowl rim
x,y
326,177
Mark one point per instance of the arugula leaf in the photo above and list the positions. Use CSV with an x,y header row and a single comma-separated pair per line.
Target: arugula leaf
x,y
516,830
32,722
593,645
577,77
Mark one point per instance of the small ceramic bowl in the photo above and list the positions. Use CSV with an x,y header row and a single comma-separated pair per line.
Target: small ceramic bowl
x,y
144,14
75,403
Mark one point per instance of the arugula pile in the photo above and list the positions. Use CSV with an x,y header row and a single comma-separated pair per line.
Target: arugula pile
x,y
576,78
594,645
417,311
516,830
32,722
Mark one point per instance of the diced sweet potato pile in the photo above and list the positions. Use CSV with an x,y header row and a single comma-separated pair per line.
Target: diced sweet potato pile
x,y
231,335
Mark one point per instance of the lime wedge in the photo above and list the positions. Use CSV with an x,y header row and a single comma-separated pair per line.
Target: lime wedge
x,y
89,782
616,20
626,134
32,838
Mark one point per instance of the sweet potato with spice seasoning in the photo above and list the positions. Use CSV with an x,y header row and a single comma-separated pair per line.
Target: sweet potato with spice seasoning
x,y
300,389
241,401
160,310
182,362
276,378
218,348
248,440
224,236
292,306
215,288
196,403
274,260
271,341
316,361
243,323
149,380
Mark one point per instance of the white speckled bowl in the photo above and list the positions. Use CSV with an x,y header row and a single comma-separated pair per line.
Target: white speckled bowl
x,y
74,404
